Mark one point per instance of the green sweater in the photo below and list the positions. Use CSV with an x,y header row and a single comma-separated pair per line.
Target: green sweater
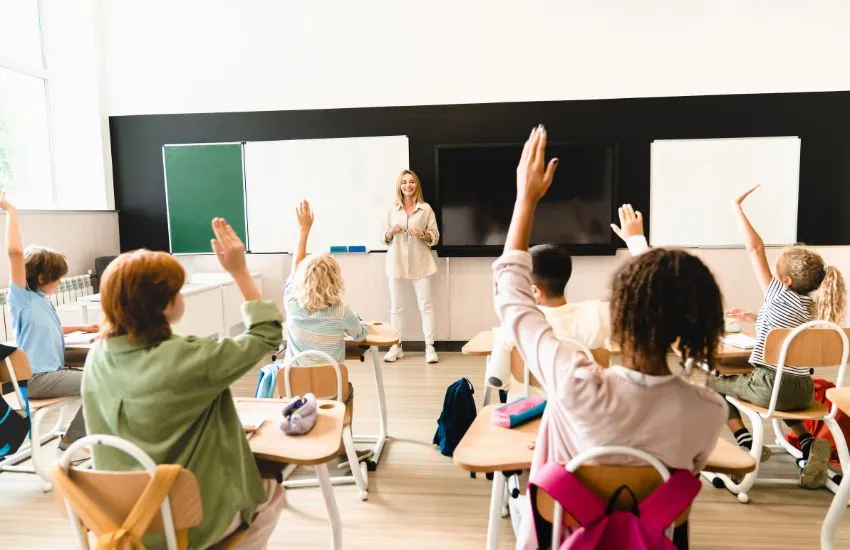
x,y
172,400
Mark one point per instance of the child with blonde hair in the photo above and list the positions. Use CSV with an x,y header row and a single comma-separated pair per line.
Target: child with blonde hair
x,y
316,317
788,303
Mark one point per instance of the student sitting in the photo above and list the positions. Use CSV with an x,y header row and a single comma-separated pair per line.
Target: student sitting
x,y
316,316
586,322
35,275
658,298
787,304
170,394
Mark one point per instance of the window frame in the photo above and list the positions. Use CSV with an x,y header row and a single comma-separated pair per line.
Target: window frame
x,y
42,73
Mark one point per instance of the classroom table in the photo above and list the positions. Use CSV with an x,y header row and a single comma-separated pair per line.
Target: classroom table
x,y
731,360
315,448
840,397
378,335
487,448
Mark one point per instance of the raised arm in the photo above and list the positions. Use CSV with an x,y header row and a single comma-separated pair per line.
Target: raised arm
x,y
631,229
753,242
305,222
231,255
545,357
14,246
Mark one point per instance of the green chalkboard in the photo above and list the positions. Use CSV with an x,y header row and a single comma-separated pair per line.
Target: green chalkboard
x,y
203,182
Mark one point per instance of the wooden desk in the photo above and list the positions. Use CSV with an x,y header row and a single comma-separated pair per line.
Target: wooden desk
x,y
840,397
315,448
487,448
481,344
378,335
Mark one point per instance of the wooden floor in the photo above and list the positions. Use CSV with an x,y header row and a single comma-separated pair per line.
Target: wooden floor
x,y
419,500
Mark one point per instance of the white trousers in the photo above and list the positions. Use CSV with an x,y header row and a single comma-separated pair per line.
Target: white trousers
x,y
422,288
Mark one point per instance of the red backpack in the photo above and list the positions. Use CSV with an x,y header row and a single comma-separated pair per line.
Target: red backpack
x,y
818,428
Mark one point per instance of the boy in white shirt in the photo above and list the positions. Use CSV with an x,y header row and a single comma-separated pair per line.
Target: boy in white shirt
x,y
587,322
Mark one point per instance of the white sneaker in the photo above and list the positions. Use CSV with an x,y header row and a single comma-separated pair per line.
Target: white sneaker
x,y
431,355
394,354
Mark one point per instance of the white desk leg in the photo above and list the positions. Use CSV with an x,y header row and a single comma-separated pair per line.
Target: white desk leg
x,y
494,523
84,313
833,516
381,438
330,504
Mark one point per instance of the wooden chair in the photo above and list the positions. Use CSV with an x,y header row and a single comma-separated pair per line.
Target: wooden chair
x,y
18,370
603,481
115,495
328,381
812,344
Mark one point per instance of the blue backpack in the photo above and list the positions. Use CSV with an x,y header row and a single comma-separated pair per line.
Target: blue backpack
x,y
457,416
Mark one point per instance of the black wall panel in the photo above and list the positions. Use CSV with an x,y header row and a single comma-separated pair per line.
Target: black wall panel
x,y
822,120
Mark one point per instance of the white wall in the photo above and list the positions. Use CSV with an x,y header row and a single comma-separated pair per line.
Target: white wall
x,y
80,236
463,299
166,56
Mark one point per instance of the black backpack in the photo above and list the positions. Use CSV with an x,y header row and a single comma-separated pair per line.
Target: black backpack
x,y
457,416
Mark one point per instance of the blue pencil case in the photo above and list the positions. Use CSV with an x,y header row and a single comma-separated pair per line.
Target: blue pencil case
x,y
518,412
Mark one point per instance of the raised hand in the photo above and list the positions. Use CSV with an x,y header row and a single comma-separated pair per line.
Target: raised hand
x,y
532,181
228,247
305,215
631,222
740,198
5,205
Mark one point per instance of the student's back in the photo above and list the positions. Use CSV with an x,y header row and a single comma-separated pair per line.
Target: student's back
x,y
658,298
316,317
170,394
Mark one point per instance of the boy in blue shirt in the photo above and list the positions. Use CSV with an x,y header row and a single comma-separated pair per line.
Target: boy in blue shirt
x,y
35,274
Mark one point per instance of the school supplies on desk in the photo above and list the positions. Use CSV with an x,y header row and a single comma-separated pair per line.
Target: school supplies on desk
x,y
299,416
518,412
80,338
740,341
251,422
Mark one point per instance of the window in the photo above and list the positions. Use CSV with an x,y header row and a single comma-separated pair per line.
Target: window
x,y
25,156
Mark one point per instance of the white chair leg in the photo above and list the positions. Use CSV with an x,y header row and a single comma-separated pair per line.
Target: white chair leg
x,y
330,504
834,514
497,493
354,464
749,480
505,500
37,451
782,442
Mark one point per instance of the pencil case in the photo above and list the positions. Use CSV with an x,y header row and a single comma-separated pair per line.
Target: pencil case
x,y
299,415
518,412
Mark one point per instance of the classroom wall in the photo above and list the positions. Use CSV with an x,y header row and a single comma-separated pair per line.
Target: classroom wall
x,y
217,56
254,55
463,299
81,236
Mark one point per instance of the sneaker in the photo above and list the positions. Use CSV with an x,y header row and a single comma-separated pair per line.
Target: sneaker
x,y
431,355
362,456
816,468
394,354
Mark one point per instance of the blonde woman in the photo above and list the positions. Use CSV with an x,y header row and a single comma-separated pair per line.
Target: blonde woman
x,y
410,230
316,317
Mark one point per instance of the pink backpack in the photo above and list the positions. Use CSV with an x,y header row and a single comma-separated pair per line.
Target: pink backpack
x,y
602,527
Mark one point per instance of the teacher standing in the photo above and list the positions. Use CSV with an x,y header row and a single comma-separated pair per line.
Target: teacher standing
x,y
410,230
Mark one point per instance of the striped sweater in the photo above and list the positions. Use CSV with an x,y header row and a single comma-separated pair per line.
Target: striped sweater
x,y
782,308
322,330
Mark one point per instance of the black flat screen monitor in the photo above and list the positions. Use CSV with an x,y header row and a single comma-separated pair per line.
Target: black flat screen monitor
x,y
476,187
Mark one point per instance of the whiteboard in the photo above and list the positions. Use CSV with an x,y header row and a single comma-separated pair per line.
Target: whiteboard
x,y
350,183
694,181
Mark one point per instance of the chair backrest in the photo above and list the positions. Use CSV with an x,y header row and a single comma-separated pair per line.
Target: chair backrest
x,y
326,381
17,364
116,493
604,480
812,344
813,347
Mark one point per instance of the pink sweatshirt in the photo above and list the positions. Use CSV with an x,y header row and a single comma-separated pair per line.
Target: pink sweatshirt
x,y
666,416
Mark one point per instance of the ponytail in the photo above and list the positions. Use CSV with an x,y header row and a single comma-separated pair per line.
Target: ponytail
x,y
831,297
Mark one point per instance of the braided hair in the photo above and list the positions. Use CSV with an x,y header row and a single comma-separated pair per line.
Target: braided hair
x,y
664,297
